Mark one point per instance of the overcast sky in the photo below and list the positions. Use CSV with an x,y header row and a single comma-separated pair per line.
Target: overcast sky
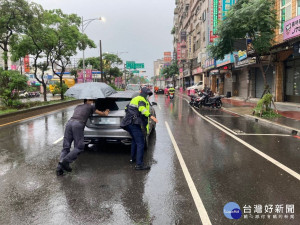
x,y
142,28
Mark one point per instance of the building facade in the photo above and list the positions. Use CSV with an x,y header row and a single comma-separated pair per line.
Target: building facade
x,y
238,74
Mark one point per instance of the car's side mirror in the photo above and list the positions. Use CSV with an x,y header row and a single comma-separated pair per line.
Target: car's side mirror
x,y
154,103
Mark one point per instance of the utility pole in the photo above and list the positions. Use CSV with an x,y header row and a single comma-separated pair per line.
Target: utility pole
x,y
101,63
125,74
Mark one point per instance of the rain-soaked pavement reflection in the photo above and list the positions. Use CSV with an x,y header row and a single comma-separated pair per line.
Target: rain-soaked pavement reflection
x,y
103,187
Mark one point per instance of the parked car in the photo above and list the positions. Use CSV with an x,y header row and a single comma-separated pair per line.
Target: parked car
x,y
197,87
23,94
33,94
158,90
107,129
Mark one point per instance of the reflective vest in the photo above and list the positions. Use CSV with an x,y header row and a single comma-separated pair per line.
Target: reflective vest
x,y
139,109
171,90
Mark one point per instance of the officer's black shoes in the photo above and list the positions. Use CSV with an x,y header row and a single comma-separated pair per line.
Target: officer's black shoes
x,y
66,166
132,161
142,167
59,172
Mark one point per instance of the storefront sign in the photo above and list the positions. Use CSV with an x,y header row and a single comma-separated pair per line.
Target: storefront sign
x,y
214,72
26,64
226,6
178,52
210,63
167,56
227,60
242,55
190,47
246,62
291,28
186,73
197,70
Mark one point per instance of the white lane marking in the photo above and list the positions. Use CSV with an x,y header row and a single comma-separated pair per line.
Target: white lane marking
x,y
222,125
58,140
222,116
280,135
241,134
275,162
198,202
159,107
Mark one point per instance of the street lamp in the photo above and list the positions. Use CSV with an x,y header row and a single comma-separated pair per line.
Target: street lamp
x,y
84,24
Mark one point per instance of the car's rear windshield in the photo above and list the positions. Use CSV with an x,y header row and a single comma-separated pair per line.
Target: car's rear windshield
x,y
112,103
133,87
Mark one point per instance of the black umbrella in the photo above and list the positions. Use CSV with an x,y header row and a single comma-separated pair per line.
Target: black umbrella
x,y
90,90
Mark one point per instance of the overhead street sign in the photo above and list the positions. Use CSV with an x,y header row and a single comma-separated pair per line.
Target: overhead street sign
x,y
130,65
133,65
139,66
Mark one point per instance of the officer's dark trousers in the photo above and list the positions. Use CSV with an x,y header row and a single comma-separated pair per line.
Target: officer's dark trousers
x,y
73,132
137,143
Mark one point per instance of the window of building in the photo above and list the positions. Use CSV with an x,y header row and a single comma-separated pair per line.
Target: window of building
x,y
298,7
285,12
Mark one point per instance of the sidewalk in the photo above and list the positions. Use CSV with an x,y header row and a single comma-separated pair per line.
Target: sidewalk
x,y
290,112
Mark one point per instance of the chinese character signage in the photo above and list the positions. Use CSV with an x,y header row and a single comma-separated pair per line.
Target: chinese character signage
x,y
226,6
291,28
79,76
88,76
178,52
26,64
167,57
282,212
228,58
210,63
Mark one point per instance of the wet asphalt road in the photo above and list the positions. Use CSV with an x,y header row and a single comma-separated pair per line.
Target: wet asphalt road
x,y
104,189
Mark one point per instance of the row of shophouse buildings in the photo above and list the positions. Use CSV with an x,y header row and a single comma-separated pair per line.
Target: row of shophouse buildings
x,y
195,26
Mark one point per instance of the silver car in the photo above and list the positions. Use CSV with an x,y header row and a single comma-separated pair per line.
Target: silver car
x,y
107,129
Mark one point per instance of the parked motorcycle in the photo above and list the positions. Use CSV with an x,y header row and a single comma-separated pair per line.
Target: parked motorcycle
x,y
207,100
194,100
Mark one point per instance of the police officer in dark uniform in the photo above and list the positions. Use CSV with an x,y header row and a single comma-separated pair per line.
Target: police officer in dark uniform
x,y
74,132
135,122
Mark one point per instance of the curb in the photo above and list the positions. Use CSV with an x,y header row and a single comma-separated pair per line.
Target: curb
x,y
34,109
289,130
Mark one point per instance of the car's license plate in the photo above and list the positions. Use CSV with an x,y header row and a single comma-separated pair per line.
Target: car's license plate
x,y
104,120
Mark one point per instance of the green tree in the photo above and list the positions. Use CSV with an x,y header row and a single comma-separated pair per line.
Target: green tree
x,y
38,41
73,72
253,19
13,13
10,81
58,88
93,61
171,71
68,40
110,65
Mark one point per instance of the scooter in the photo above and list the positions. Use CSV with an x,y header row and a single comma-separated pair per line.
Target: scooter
x,y
211,101
194,100
171,95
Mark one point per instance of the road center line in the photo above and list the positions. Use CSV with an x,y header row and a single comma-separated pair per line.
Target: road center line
x,y
198,202
275,162
58,140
